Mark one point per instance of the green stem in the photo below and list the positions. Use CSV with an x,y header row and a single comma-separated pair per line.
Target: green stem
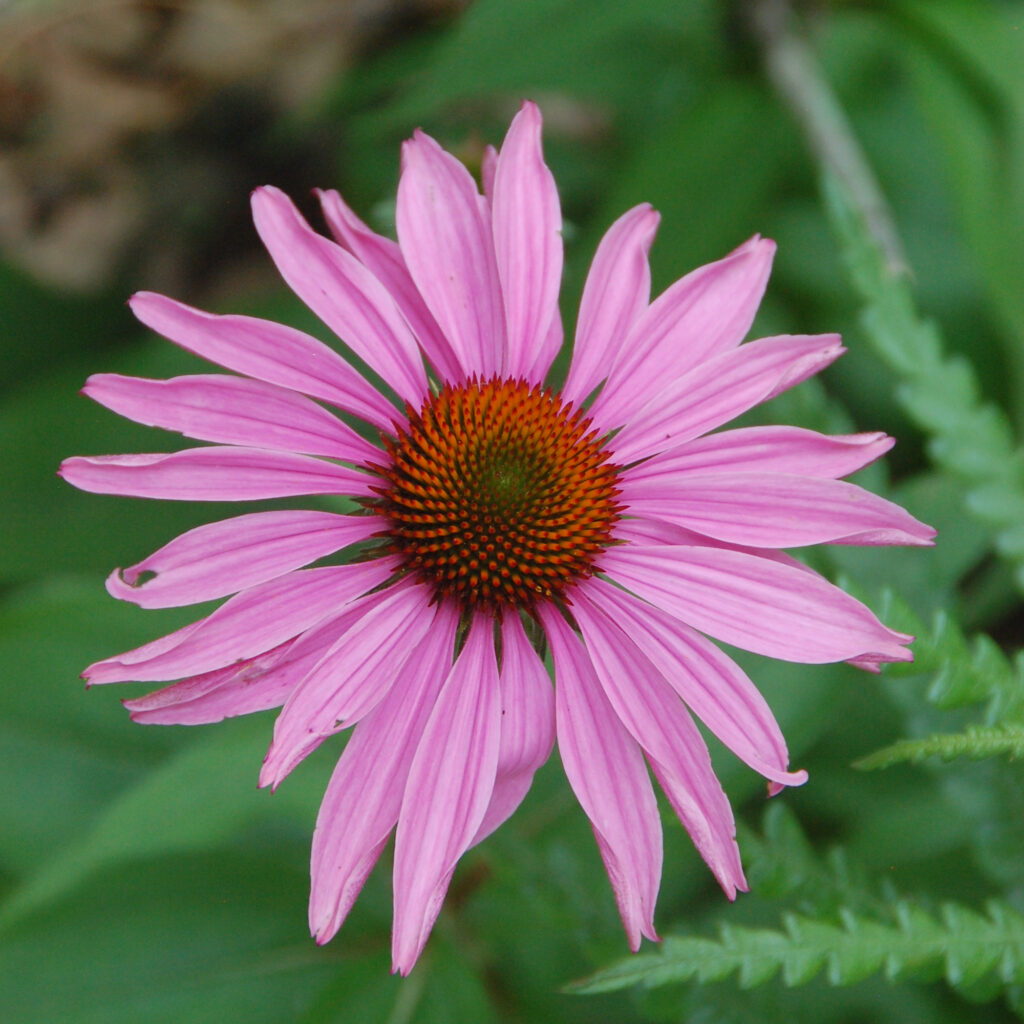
x,y
796,75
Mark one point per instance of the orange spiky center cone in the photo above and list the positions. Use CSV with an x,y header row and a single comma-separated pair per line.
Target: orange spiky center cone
x,y
498,495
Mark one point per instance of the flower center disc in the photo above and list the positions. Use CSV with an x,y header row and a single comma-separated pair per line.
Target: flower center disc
x,y
498,495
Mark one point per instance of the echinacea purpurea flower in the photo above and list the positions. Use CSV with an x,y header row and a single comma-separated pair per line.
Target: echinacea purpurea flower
x,y
624,529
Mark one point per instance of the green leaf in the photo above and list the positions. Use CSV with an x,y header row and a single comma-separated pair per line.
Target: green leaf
x,y
972,440
964,60
67,751
531,47
179,940
696,171
963,671
199,798
963,947
977,742
783,864
43,326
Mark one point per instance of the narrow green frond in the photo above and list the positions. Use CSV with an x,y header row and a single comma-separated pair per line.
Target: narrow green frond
x,y
979,955
976,742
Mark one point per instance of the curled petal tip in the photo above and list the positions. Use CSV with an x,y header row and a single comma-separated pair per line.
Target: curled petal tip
x,y
776,786
121,584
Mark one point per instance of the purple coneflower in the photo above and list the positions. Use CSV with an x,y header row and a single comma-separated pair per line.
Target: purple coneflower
x,y
492,510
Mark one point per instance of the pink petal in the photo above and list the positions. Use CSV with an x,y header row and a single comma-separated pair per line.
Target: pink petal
x,y
218,473
447,243
755,603
232,410
247,624
527,241
527,724
605,767
549,349
773,510
718,391
660,723
223,558
243,688
644,532
257,684
654,531
449,788
700,316
267,351
616,292
351,678
384,259
715,688
342,292
362,802
790,450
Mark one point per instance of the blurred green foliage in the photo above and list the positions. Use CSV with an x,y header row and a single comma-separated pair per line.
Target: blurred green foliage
x,y
142,875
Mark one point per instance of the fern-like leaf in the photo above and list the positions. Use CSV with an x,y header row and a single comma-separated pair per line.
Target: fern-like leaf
x,y
963,671
976,742
971,439
977,954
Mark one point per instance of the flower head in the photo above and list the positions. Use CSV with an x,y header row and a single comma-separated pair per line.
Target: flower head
x,y
613,517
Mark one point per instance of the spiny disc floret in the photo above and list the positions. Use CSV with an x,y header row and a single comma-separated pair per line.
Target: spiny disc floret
x,y
498,495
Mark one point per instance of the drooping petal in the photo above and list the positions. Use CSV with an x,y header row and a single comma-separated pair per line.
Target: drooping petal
x,y
217,473
658,720
527,241
384,259
257,684
448,247
223,558
616,292
773,510
718,391
254,621
605,767
362,802
266,351
243,688
351,678
527,724
755,603
449,789
700,316
715,688
342,292
792,450
231,410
